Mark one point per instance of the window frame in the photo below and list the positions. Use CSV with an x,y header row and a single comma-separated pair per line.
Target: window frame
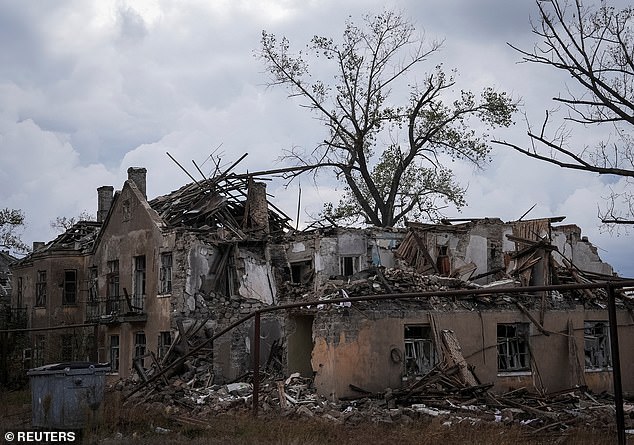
x,y
41,288
69,290
114,354
163,344
419,348
113,290
603,338
139,283
165,273
513,350
354,266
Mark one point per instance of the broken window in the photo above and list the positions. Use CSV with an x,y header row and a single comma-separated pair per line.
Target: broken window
x,y
112,298
139,283
420,354
302,272
165,274
70,287
114,353
20,293
93,284
92,302
596,344
164,342
40,289
139,347
349,265
513,351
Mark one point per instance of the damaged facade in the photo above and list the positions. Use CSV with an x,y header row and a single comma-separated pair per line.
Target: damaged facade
x,y
156,275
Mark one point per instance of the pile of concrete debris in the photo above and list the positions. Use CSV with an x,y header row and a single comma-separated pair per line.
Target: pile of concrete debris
x,y
438,394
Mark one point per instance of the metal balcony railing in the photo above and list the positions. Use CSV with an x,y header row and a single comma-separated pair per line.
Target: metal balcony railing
x,y
114,308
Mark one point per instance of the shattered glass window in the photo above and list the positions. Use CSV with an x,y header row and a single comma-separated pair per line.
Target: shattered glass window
x,y
139,347
164,342
420,354
165,274
40,289
349,265
596,344
513,352
114,353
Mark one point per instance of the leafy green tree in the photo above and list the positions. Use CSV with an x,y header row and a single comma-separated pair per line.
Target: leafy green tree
x,y
389,152
11,221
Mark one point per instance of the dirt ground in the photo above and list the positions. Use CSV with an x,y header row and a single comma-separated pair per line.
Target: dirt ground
x,y
150,424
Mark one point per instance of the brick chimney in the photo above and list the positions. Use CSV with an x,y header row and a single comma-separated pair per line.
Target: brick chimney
x,y
104,201
138,174
258,206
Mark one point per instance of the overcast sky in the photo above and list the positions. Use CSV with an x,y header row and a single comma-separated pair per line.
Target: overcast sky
x,y
90,88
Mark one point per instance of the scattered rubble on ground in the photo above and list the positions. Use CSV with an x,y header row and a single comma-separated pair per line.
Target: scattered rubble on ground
x,y
185,389
438,394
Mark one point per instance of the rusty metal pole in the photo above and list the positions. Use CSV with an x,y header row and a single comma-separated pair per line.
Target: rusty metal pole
x,y
616,366
256,362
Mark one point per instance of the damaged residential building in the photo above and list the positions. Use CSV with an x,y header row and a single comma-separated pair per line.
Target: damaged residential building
x,y
157,276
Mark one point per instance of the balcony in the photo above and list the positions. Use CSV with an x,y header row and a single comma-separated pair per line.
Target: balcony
x,y
13,318
116,310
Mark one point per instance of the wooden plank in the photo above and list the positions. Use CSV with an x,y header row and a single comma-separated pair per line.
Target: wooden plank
x,y
453,356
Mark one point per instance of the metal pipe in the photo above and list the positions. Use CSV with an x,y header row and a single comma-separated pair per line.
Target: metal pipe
x,y
256,362
616,365
454,293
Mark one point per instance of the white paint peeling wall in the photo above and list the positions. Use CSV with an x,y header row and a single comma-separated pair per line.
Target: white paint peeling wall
x,y
477,252
257,282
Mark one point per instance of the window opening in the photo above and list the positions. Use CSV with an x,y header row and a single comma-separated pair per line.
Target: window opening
x,y
420,354
165,274
114,353
40,289
70,287
513,352
139,284
596,344
112,298
139,347
349,265
302,272
164,342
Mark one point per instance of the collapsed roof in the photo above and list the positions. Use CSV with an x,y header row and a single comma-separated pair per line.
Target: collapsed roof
x,y
227,202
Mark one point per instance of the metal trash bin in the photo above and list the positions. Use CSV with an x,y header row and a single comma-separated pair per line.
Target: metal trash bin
x,y
67,395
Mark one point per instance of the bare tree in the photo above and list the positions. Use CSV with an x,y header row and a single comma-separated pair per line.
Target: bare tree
x,y
595,46
63,223
11,220
388,154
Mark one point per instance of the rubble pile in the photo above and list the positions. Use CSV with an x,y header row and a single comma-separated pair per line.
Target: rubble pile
x,y
404,279
436,395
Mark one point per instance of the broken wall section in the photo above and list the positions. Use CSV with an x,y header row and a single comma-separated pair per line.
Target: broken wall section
x,y
221,283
